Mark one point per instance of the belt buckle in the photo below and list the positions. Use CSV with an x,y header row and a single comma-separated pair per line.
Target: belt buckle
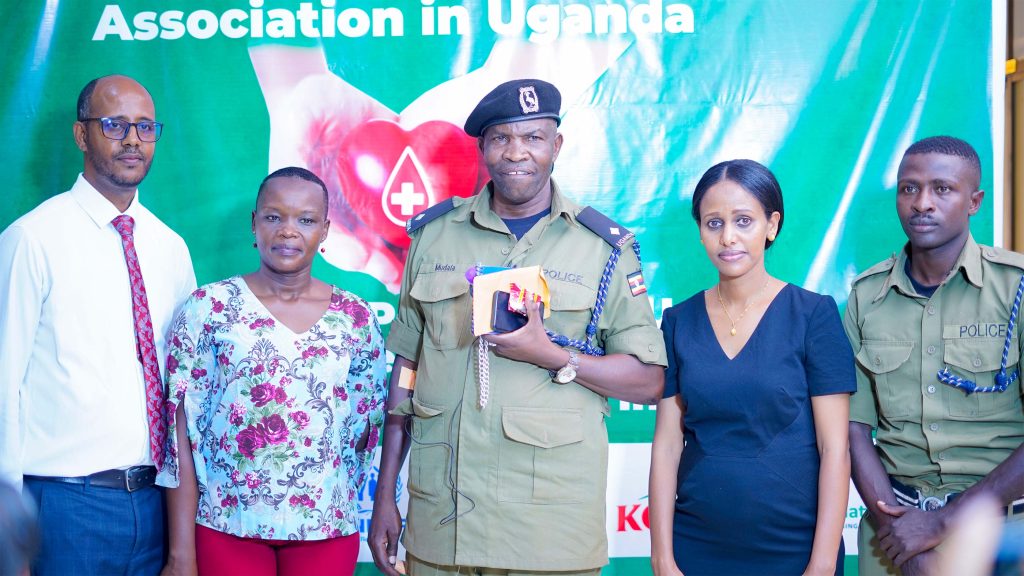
x,y
932,503
137,473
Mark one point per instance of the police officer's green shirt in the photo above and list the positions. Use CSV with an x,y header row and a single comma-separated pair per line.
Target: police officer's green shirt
x,y
932,435
522,485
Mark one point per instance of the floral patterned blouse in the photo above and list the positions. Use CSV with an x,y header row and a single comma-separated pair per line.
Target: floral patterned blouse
x,y
273,417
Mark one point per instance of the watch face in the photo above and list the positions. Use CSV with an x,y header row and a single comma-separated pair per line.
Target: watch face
x,y
565,375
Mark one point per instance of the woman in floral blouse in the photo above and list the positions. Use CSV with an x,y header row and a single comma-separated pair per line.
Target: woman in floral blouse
x,y
276,382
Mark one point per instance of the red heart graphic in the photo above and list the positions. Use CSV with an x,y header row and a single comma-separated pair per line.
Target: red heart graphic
x,y
389,174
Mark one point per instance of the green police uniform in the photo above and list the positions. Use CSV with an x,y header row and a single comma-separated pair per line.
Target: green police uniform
x,y
932,436
519,484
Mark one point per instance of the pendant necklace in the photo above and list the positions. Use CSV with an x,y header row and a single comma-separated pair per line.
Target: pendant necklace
x,y
732,331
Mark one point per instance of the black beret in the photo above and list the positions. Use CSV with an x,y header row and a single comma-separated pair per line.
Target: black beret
x,y
515,101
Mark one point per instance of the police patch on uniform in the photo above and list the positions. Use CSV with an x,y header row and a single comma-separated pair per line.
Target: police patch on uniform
x,y
636,283
528,99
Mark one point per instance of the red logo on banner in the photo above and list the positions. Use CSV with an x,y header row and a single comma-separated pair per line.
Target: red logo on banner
x,y
389,174
408,189
633,518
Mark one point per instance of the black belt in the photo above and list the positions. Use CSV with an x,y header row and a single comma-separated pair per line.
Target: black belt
x,y
910,496
131,480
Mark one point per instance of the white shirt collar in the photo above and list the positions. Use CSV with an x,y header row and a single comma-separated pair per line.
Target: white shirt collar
x,y
99,209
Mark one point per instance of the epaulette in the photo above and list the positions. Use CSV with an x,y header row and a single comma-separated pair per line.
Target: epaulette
x,y
437,210
1003,256
883,266
609,230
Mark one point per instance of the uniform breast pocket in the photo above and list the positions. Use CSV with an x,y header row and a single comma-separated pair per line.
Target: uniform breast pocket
x,y
883,360
571,309
978,360
444,299
542,458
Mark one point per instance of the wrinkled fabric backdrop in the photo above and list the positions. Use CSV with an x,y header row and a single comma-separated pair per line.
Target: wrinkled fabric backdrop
x,y
371,95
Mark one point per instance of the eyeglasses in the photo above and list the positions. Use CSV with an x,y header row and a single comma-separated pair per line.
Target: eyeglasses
x,y
115,129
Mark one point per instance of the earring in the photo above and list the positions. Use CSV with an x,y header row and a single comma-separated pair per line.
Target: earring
x,y
323,250
254,245
771,237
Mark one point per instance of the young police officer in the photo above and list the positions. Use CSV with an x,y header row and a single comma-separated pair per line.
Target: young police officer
x,y
936,333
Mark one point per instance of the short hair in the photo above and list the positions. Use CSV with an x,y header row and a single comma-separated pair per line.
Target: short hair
x,y
752,177
85,97
949,146
294,172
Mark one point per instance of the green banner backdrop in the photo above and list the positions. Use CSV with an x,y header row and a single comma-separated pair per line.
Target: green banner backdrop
x,y
371,95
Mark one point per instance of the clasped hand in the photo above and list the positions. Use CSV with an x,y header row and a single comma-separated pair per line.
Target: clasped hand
x,y
909,532
529,343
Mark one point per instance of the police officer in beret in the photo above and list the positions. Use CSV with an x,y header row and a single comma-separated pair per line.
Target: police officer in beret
x,y
937,338
506,432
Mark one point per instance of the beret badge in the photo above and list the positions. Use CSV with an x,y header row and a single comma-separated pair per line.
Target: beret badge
x,y
528,99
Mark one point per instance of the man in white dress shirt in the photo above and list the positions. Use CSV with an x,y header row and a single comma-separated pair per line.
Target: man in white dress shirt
x,y
74,425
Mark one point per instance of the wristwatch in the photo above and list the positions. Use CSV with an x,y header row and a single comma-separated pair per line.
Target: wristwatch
x,y
567,373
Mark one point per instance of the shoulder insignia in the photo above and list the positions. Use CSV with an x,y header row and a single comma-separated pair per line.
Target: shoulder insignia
x,y
1003,256
437,210
883,266
609,230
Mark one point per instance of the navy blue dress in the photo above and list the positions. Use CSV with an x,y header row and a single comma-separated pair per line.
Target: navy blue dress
x,y
748,478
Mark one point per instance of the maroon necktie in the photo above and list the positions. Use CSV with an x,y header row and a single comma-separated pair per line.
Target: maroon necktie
x,y
144,342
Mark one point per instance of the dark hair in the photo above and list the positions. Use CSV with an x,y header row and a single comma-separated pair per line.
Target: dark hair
x,y
294,172
85,96
948,146
752,177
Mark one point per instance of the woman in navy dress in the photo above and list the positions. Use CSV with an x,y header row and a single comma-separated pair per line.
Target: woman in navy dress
x,y
757,390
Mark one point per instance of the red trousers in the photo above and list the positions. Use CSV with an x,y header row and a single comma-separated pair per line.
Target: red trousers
x,y
220,554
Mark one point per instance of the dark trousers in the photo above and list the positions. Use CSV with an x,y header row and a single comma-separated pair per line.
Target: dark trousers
x,y
88,530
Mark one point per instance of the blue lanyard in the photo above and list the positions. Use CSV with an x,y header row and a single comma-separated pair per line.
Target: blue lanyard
x,y
587,346
1002,380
